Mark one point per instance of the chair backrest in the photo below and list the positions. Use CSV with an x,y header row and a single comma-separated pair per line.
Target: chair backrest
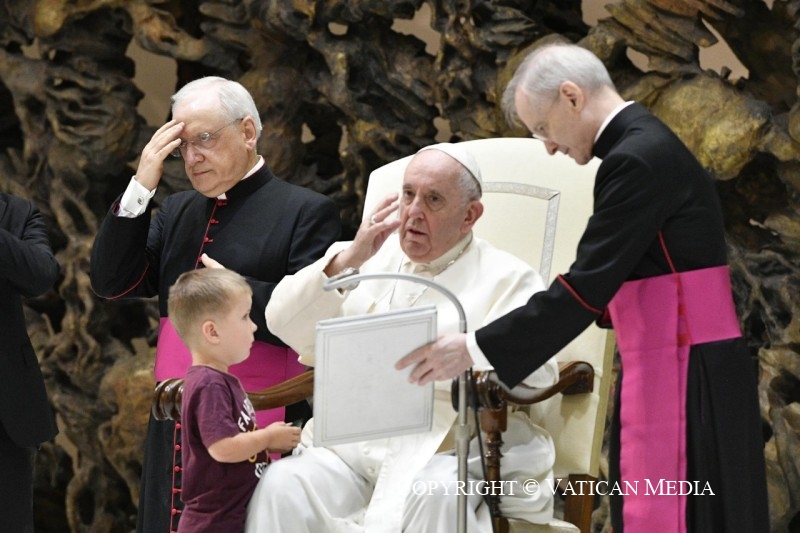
x,y
536,207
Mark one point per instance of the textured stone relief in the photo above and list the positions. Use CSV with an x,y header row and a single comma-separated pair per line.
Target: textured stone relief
x,y
342,91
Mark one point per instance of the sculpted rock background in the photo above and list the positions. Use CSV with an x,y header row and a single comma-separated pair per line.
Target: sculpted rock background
x,y
342,91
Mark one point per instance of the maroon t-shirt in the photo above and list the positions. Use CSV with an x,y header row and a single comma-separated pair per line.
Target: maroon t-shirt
x,y
214,407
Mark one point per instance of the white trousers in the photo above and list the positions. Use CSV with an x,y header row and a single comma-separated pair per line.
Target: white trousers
x,y
317,491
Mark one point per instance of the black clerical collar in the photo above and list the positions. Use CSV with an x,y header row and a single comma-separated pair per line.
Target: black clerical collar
x,y
250,184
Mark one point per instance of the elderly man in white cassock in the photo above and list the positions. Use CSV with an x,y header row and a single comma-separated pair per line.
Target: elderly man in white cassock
x,y
370,486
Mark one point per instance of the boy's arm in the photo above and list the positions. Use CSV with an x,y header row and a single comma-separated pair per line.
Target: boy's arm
x,y
278,437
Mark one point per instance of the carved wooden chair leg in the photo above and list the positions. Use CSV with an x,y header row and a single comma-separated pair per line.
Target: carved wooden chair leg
x,y
493,423
578,508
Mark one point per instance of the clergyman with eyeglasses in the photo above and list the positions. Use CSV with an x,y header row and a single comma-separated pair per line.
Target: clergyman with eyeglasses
x,y
239,215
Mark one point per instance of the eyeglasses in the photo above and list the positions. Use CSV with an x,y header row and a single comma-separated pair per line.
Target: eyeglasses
x,y
203,141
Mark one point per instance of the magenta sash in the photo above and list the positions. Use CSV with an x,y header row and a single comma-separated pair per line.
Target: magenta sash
x,y
267,365
656,321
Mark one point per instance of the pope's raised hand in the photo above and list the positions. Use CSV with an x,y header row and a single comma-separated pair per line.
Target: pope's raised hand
x,y
371,235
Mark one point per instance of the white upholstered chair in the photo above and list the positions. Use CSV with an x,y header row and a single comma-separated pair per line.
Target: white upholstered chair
x,y
536,207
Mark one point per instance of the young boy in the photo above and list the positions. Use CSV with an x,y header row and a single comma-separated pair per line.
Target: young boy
x,y
224,453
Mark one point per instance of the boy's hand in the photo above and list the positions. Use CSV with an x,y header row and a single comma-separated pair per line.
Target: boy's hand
x,y
283,437
210,263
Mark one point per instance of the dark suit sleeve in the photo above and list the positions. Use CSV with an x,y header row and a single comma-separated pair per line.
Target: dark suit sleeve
x,y
122,259
26,261
27,268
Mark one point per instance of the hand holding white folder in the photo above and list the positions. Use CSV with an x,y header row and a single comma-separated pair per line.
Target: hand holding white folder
x,y
358,393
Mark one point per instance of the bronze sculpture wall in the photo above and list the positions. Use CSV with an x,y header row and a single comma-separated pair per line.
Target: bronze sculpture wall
x,y
367,94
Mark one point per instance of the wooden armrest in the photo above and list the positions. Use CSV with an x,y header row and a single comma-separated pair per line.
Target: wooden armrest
x,y
169,393
285,393
575,377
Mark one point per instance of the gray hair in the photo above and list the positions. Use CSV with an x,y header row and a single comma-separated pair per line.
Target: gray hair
x,y
542,72
234,100
468,184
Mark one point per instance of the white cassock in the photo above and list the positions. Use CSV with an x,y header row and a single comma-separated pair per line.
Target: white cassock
x,y
382,486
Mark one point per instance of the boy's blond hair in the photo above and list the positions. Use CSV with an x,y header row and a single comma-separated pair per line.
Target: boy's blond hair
x,y
200,294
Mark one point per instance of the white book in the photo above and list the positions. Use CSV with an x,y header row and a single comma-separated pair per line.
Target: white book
x,y
358,394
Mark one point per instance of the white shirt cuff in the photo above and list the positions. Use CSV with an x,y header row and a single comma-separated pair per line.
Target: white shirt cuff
x,y
135,199
479,361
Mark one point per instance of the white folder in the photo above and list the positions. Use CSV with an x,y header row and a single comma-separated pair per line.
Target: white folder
x,y
358,394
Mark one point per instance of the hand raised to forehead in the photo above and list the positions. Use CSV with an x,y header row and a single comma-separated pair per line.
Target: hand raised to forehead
x,y
161,144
